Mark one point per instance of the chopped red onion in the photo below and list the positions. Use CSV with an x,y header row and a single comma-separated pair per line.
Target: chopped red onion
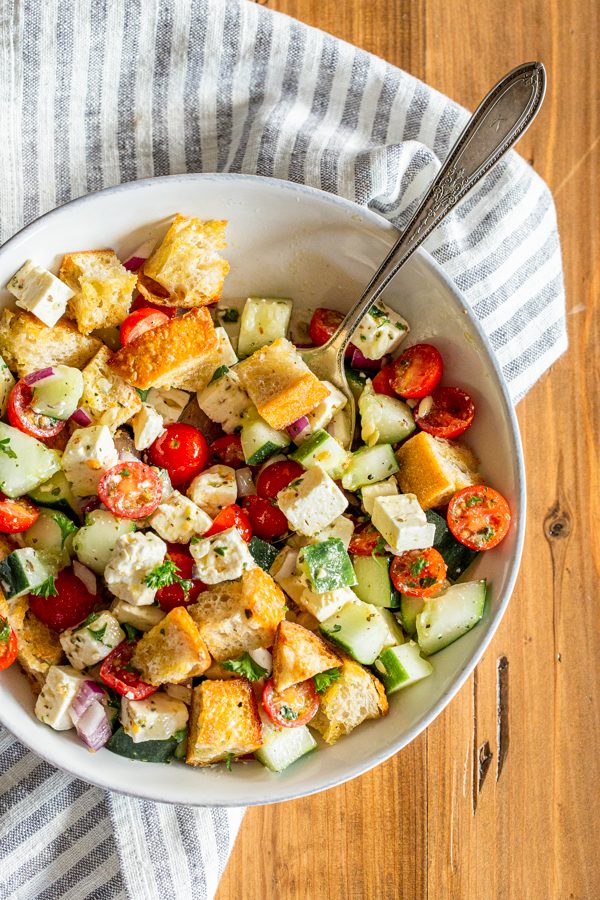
x,y
38,376
93,727
81,417
245,484
297,427
90,504
139,256
360,361
86,576
89,692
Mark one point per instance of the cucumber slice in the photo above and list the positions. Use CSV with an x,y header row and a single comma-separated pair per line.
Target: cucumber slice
x,y
399,667
52,533
94,543
22,571
324,451
145,751
373,581
339,429
24,462
394,635
283,746
384,420
58,395
410,607
356,381
448,616
327,566
368,465
259,440
457,557
262,552
56,493
360,629
264,319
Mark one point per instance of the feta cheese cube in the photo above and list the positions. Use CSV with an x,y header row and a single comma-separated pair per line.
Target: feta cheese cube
x,y
311,502
321,606
54,701
221,557
381,489
323,413
157,718
147,425
381,331
224,401
141,617
225,352
178,518
134,557
88,643
342,528
214,489
89,453
402,522
168,404
40,292
7,382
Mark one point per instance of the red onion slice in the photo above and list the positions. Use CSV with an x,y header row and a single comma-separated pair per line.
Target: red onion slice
x,y
93,727
297,427
81,417
245,484
86,576
38,376
360,361
89,692
139,256
90,504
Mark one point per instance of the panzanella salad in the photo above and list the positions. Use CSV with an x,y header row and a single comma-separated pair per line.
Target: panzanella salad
x,y
192,564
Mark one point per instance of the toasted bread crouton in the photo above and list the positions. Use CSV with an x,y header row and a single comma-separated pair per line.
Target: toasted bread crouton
x,y
434,469
299,654
26,344
224,721
164,355
224,355
102,287
355,696
280,384
38,646
106,397
171,651
185,269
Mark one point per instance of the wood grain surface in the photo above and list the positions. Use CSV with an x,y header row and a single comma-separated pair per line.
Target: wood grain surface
x,y
500,797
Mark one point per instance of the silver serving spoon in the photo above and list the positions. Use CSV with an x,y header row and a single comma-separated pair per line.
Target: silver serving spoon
x,y
497,123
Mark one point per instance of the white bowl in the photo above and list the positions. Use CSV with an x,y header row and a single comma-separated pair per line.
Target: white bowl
x,y
289,240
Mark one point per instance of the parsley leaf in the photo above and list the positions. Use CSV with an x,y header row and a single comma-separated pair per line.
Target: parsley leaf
x,y
130,632
377,313
419,564
46,589
286,712
228,761
7,449
4,631
180,735
336,628
143,394
66,526
221,370
125,473
246,667
323,679
99,633
230,315
473,501
427,581
487,533
220,551
166,574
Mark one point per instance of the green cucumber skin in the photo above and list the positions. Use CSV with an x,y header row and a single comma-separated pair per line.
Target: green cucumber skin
x,y
457,557
15,582
373,582
145,751
262,552
327,565
363,640
356,381
410,607
369,465
448,617
56,494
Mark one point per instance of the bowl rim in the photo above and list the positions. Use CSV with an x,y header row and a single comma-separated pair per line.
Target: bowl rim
x,y
371,218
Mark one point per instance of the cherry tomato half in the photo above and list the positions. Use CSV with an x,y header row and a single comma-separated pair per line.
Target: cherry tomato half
x,y
228,450
231,517
181,450
293,707
16,515
366,541
71,604
381,382
116,671
173,594
139,322
8,644
266,519
130,490
417,371
324,324
479,517
140,302
22,416
451,413
418,573
277,476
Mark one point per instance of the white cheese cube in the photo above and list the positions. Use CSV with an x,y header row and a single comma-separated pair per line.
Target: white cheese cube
x,y
323,413
224,401
157,718
86,644
321,606
178,518
402,522
40,292
168,404
134,557
214,489
141,617
147,425
89,453
225,352
221,557
381,331
341,528
54,701
381,489
311,502
7,382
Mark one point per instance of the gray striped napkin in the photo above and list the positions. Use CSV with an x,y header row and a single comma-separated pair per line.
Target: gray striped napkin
x,y
93,94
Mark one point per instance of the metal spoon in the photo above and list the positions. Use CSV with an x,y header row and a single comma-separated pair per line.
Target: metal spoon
x,y
497,123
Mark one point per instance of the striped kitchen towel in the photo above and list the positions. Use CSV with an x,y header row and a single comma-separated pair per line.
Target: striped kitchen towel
x,y
93,94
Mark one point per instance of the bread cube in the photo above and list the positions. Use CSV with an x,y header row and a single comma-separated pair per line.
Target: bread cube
x,y
26,344
102,288
40,292
92,641
214,489
224,721
280,384
311,502
89,453
355,696
38,647
224,401
157,718
221,557
224,355
107,398
134,557
171,651
402,522
54,702
434,469
299,654
177,519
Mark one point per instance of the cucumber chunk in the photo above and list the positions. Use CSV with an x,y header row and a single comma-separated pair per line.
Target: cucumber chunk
x,y
264,319
94,543
259,440
56,493
394,635
327,566
373,581
262,552
24,462
359,629
324,451
368,465
399,667
410,607
145,751
384,420
52,533
283,746
58,395
457,557
22,571
448,616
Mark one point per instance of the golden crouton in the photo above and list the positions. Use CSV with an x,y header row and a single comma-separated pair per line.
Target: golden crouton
x,y
299,654
434,469
355,696
38,647
224,355
26,344
107,398
224,721
103,288
186,269
280,384
165,355
172,651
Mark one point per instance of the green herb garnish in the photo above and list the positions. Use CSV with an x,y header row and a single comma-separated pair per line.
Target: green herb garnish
x,y
7,449
417,567
228,761
474,500
246,667
288,713
166,574
99,633
323,679
46,589
130,632
230,315
4,631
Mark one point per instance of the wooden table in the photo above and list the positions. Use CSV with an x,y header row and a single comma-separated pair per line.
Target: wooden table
x,y
448,817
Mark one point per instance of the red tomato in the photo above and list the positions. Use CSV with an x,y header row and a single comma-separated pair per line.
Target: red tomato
x,y
324,324
417,371
130,490
116,672
293,707
451,413
181,450
173,595
16,515
418,573
68,607
231,517
22,416
8,644
266,519
365,541
139,322
277,476
381,382
228,450
140,302
479,517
